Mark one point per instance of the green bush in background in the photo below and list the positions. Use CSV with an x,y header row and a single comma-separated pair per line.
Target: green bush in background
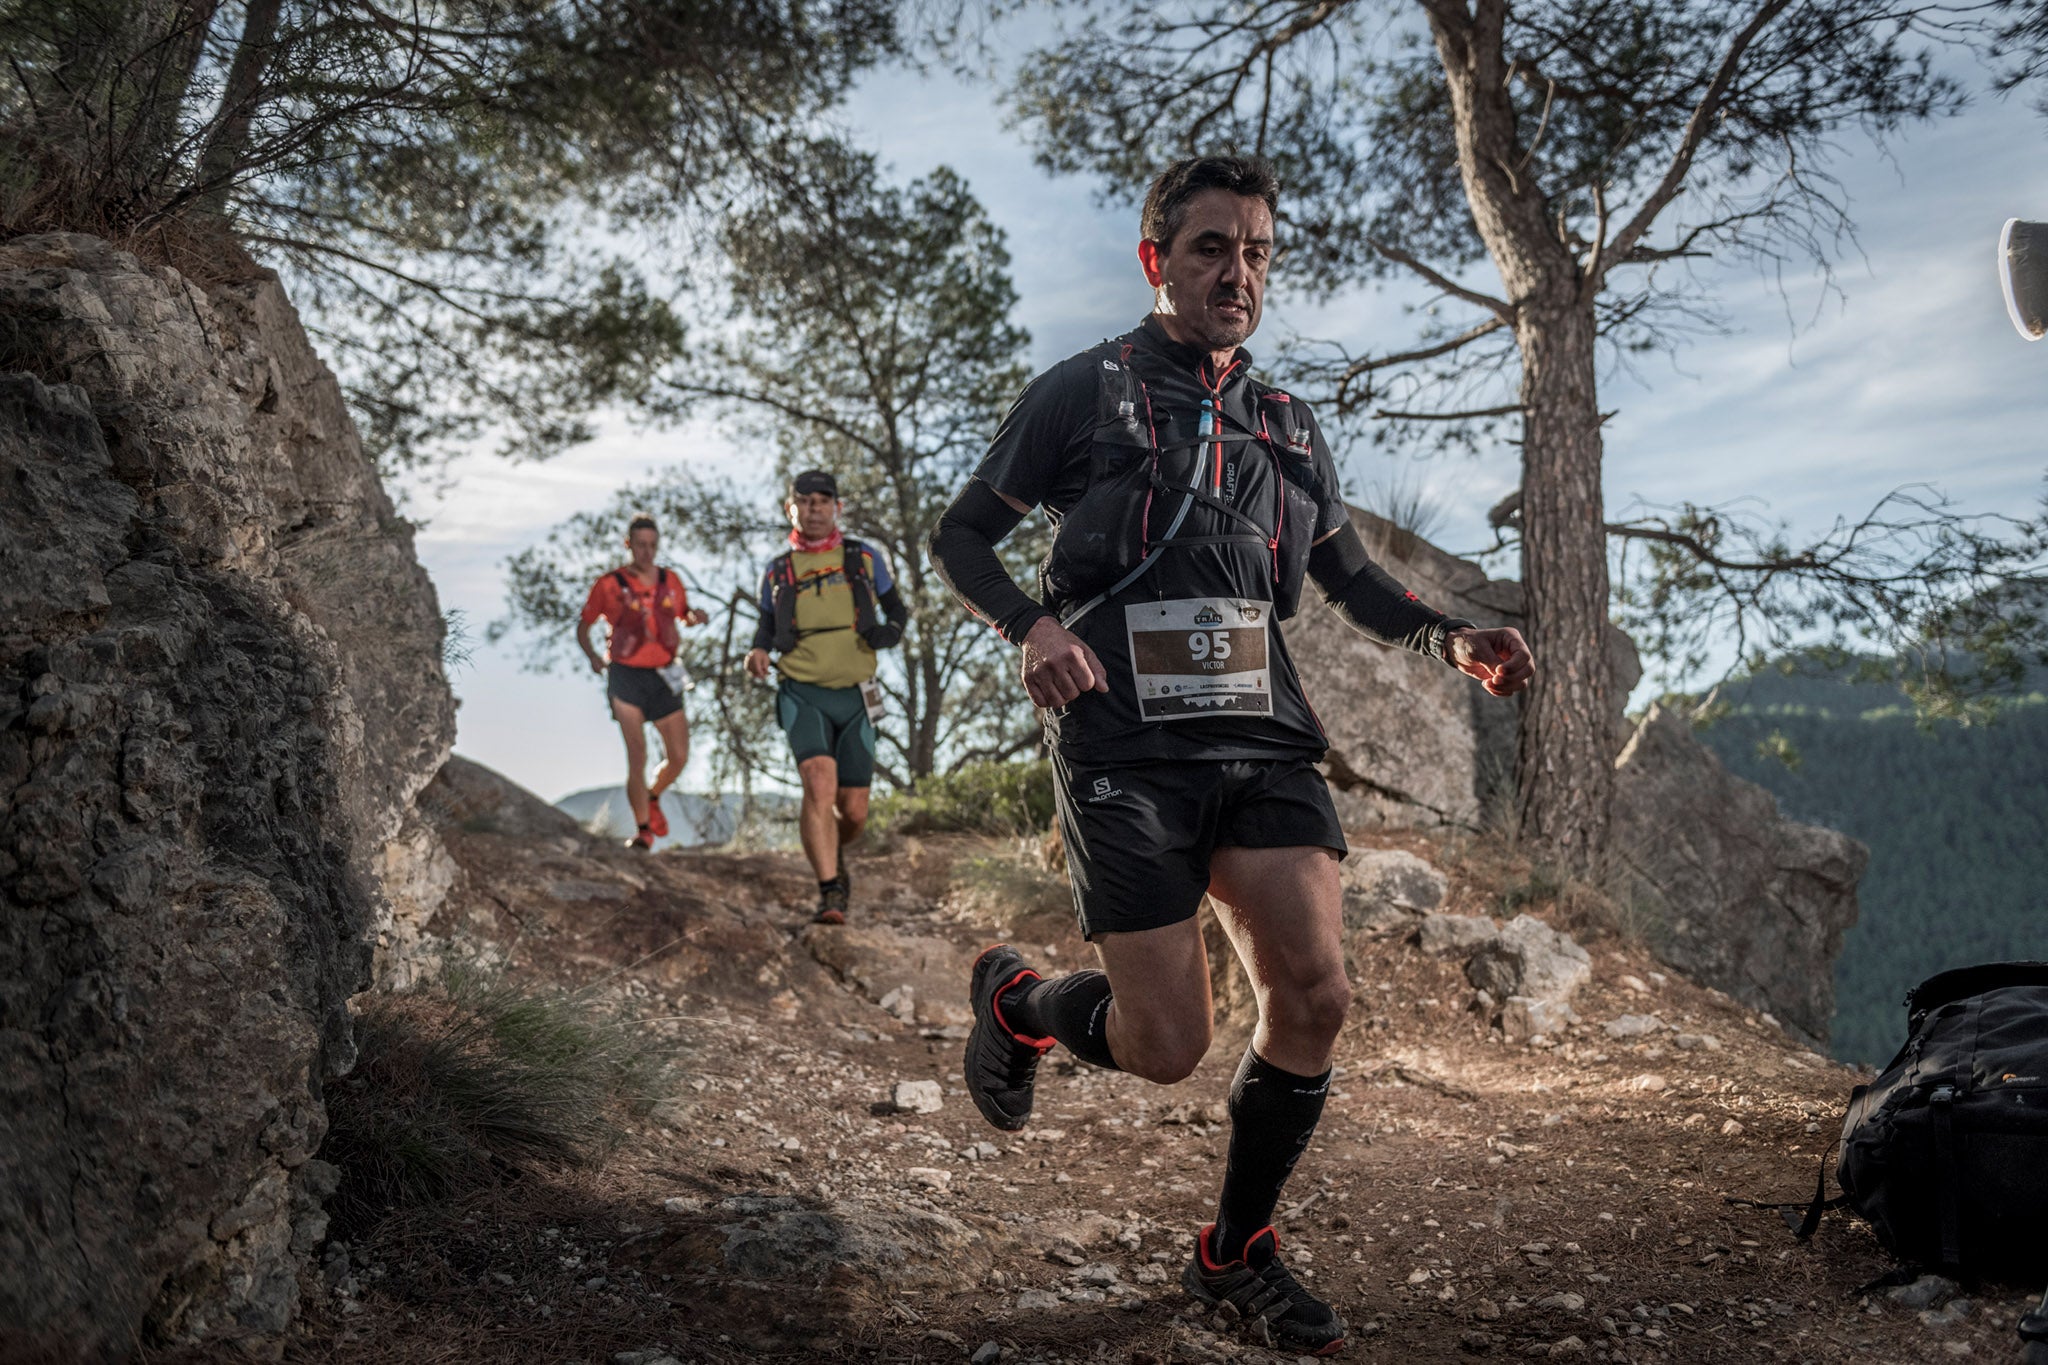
x,y
976,798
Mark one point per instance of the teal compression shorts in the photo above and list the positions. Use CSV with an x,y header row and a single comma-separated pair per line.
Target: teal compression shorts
x,y
829,722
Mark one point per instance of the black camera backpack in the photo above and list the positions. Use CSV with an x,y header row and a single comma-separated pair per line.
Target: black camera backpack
x,y
1946,1152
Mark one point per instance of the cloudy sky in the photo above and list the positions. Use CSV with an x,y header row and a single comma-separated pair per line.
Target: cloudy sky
x,y
1816,404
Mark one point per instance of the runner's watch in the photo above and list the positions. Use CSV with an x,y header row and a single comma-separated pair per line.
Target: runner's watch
x,y
1440,633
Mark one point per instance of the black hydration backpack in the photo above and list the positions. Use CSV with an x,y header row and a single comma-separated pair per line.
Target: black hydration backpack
x,y
1946,1152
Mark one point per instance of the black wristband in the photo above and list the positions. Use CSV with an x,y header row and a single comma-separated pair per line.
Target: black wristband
x,y
1440,634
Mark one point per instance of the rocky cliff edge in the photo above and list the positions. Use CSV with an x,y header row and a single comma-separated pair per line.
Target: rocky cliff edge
x,y
220,692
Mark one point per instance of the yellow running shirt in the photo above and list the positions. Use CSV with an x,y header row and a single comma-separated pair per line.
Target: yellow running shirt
x,y
828,653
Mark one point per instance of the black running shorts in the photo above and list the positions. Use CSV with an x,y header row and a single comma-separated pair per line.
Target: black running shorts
x,y
1139,835
641,687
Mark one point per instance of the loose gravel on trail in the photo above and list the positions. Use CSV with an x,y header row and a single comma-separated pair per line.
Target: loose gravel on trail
x,y
793,1194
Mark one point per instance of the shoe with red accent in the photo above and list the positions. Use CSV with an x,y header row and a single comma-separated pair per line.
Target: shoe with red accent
x,y
643,842
657,823
1001,1063
1257,1292
832,897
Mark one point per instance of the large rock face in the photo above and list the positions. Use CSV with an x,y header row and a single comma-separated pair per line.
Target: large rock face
x,y
1414,745
1740,897
220,691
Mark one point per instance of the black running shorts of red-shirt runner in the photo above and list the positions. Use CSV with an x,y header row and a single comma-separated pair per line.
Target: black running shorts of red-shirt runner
x,y
641,687
1139,836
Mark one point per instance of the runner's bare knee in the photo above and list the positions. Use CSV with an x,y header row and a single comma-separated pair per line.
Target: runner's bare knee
x,y
1162,1041
1311,1011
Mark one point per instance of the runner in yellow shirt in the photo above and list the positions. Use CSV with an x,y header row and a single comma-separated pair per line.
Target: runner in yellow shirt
x,y
827,604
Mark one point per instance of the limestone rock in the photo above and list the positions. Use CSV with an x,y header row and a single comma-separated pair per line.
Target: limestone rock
x,y
1448,935
843,1244
220,691
1413,744
1743,899
467,796
1633,1026
1529,958
1524,1017
1388,886
916,1097
926,975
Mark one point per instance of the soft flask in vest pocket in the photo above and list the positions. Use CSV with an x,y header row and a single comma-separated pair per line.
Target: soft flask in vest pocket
x,y
1102,536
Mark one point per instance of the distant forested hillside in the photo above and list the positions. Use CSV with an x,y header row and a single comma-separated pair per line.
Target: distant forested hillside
x,y
1956,820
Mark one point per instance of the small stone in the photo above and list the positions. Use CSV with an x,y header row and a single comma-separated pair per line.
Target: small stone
x,y
1924,1292
988,1353
1570,1346
1036,1301
1525,1019
1418,1276
682,1204
1650,1082
1565,1302
1099,1275
1635,983
1633,1026
1732,1128
930,1177
1443,935
901,1002
916,1097
1486,1310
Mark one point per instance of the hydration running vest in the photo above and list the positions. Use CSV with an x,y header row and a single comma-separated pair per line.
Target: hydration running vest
x,y
1141,491
782,577
633,629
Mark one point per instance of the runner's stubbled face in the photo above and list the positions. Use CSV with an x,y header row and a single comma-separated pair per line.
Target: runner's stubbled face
x,y
1211,282
814,515
643,544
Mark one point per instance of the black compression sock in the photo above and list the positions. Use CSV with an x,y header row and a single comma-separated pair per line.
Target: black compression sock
x,y
1273,1113
1073,1008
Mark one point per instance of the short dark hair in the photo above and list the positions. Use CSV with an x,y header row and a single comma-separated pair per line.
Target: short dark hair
x,y
1166,202
643,522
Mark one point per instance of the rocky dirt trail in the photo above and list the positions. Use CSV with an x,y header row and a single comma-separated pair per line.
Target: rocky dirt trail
x,y
816,1186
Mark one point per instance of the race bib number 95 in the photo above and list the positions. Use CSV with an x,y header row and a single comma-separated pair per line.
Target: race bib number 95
x,y
1200,656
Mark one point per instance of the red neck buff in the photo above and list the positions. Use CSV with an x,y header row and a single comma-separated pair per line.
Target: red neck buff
x,y
815,547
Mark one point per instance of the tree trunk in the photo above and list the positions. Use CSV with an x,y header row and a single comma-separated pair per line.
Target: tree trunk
x,y
1564,770
226,149
1565,767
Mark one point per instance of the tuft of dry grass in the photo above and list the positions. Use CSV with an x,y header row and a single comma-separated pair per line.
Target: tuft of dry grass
x,y
464,1085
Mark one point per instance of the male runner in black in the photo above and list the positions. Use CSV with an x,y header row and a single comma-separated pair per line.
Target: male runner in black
x,y
1189,501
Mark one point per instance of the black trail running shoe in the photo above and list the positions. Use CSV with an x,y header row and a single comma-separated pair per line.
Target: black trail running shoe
x,y
1258,1292
1001,1063
832,901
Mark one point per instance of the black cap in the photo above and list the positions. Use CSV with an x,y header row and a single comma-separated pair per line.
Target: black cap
x,y
814,481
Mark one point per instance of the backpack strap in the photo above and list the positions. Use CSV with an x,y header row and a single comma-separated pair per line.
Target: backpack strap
x,y
782,580
1947,1198
854,564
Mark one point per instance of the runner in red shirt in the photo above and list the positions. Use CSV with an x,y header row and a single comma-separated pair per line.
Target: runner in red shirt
x,y
642,604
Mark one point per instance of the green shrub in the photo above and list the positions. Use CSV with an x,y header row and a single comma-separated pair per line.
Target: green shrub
x,y
977,798
465,1084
